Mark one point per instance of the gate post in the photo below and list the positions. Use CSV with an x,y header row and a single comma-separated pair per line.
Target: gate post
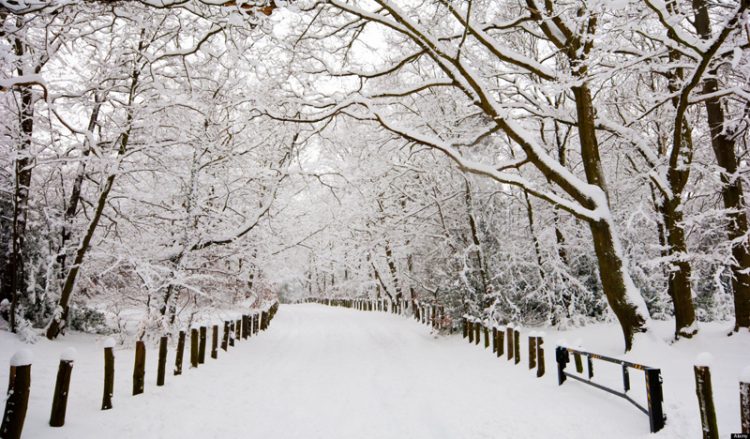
x,y
563,358
655,398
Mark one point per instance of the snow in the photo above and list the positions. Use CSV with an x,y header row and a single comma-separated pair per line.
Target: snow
x,y
108,342
68,354
745,375
704,359
22,357
329,372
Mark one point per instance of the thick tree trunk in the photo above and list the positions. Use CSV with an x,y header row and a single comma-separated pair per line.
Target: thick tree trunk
x,y
732,193
680,287
616,282
622,295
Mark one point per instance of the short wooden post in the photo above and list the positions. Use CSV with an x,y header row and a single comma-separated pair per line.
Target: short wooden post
x,y
202,346
245,326
250,325
540,356
466,326
109,373
494,339
470,326
563,358
17,400
161,369
139,368
532,351
237,329
62,387
215,342
517,345
745,400
655,397
225,339
179,354
509,339
231,333
477,328
500,343
486,336
705,398
194,347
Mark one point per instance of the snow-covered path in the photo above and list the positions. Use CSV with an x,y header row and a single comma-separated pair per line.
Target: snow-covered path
x,y
330,373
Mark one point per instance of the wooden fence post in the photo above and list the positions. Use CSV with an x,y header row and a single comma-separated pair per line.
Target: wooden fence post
x,y
466,327
517,345
180,353
202,346
509,339
215,342
500,342
193,347
225,339
486,336
705,397
532,350
745,400
17,400
540,355
62,387
494,339
139,368
245,326
161,370
237,330
109,373
231,333
477,328
470,326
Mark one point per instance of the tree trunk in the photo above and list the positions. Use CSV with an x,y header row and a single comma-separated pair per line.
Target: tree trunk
x,y
616,282
732,193
680,288
484,279
14,276
621,293
59,319
75,191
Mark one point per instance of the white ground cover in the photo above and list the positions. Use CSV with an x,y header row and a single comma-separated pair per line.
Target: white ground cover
x,y
329,373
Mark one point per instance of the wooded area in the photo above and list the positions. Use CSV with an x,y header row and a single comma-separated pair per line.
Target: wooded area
x,y
533,161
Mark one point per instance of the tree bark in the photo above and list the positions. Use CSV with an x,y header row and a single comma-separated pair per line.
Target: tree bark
x,y
616,282
732,192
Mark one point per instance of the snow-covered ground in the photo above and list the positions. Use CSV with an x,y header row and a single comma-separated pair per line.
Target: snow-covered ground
x,y
321,372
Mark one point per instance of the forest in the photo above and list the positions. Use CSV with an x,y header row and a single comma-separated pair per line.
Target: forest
x,y
553,163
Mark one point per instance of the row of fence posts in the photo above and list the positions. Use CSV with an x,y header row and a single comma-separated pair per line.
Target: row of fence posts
x,y
704,392
506,341
430,314
19,385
